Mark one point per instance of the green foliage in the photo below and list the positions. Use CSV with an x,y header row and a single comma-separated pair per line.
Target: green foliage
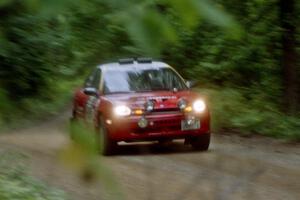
x,y
15,184
151,29
246,74
232,111
46,45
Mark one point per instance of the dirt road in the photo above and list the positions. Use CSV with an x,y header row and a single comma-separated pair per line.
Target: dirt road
x,y
233,168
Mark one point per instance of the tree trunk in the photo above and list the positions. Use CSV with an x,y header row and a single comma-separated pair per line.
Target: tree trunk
x,y
289,55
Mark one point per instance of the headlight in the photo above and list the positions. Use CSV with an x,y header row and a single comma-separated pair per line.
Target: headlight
x,y
182,104
122,111
199,106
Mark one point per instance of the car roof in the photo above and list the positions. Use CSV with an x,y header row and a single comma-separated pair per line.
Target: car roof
x,y
133,65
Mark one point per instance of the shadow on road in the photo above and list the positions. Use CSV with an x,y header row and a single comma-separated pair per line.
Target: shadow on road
x,y
136,149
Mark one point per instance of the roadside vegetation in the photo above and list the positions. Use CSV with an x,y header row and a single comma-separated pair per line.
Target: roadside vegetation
x,y
243,53
15,184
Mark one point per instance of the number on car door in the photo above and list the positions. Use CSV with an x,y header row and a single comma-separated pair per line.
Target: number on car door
x,y
92,101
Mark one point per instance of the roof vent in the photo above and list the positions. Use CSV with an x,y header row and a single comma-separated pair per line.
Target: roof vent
x,y
144,60
126,61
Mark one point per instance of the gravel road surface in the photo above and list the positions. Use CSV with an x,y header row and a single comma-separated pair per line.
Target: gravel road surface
x,y
233,168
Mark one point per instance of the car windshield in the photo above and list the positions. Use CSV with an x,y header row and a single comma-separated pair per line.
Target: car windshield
x,y
141,80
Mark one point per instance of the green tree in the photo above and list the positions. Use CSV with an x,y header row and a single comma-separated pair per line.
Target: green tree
x,y
289,55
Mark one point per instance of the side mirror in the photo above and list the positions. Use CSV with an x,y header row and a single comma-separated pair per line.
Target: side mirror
x,y
191,84
90,91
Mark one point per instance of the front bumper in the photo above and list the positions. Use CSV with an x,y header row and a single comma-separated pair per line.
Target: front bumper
x,y
160,126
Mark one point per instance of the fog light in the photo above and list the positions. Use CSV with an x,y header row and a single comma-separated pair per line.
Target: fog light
x,y
182,104
108,121
149,106
188,109
143,122
138,112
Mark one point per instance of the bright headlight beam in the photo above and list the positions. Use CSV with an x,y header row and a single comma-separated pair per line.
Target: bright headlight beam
x,y
122,110
199,106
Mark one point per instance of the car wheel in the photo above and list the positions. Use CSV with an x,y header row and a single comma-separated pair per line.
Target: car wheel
x,y
73,121
107,146
201,143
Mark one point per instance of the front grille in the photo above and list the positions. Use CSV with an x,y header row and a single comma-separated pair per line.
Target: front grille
x,y
161,126
166,111
169,122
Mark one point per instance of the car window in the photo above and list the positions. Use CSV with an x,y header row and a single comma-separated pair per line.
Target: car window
x,y
96,79
93,79
88,81
140,80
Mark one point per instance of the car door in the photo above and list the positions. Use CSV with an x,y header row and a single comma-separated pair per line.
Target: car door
x,y
82,102
92,100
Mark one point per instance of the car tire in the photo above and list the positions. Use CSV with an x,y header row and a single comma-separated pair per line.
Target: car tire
x,y
201,143
73,121
106,145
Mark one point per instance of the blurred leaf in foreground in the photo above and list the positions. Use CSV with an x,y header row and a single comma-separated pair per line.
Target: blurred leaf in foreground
x,y
152,30
219,17
82,155
4,3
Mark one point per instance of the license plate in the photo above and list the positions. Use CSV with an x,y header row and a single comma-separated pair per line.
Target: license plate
x,y
190,125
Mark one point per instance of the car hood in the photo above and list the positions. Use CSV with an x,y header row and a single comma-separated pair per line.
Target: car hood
x,y
162,99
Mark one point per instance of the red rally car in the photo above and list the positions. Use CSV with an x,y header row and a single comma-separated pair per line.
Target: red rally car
x,y
142,100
